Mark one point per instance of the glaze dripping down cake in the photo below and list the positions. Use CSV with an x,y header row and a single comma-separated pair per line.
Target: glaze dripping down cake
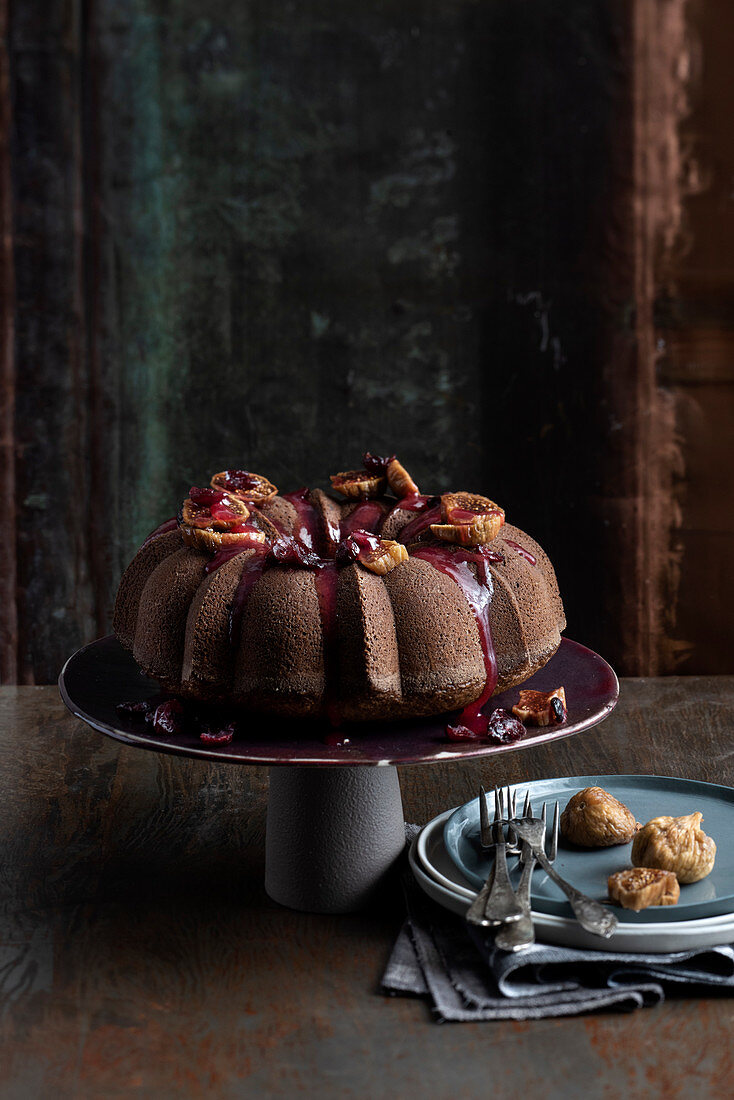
x,y
373,601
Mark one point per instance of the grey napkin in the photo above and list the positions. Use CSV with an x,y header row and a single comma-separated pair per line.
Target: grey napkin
x,y
438,956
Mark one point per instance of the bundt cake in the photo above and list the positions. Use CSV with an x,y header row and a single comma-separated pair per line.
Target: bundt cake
x,y
364,607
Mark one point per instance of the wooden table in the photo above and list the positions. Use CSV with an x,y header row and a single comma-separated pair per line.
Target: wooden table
x,y
140,955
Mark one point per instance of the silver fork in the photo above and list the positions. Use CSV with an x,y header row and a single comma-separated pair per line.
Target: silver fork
x,y
496,902
521,933
590,914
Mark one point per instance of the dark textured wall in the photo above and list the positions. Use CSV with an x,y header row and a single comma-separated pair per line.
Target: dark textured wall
x,y
273,234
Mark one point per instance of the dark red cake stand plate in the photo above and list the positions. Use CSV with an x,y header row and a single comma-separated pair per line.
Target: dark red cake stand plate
x,y
101,675
333,828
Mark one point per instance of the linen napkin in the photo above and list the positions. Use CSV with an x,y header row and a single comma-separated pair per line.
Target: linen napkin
x,y
438,956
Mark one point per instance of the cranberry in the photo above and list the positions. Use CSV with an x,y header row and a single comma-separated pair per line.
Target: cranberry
x,y
503,728
240,480
169,718
218,735
288,551
357,546
463,733
138,710
559,711
376,465
205,496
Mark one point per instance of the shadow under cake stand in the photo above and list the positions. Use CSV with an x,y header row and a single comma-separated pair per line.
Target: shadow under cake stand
x,y
335,816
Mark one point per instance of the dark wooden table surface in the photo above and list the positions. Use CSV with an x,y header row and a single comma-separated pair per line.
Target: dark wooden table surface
x,y
140,955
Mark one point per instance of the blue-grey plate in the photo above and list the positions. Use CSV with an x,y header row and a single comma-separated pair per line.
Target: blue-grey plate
x,y
646,796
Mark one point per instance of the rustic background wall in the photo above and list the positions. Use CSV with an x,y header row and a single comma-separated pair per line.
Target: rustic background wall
x,y
495,237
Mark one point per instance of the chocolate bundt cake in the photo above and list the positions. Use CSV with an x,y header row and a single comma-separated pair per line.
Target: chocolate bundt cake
x,y
365,607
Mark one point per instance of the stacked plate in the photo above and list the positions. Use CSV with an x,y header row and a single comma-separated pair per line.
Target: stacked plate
x,y
449,865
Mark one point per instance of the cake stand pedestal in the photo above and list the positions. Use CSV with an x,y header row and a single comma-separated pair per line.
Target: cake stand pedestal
x,y
335,817
332,835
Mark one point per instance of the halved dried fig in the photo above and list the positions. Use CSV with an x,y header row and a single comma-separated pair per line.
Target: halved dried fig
x,y
400,481
676,844
378,555
468,519
246,486
244,536
594,818
359,484
639,887
212,508
541,708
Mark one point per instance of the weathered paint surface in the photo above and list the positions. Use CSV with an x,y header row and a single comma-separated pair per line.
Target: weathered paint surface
x,y
272,235
290,234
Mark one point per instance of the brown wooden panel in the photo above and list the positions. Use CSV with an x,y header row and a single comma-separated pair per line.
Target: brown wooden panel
x,y
51,384
697,352
8,572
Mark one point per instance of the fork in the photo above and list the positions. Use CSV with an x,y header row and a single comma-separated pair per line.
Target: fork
x,y
496,902
591,915
521,933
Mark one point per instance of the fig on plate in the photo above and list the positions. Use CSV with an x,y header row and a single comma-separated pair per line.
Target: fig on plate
x,y
639,887
468,519
253,488
676,844
541,708
594,818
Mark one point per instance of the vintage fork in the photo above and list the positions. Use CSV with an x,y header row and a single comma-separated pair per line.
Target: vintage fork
x,y
521,933
590,914
496,902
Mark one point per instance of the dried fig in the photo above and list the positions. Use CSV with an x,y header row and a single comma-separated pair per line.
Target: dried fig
x,y
244,485
594,818
541,708
211,519
676,844
400,481
212,508
359,484
468,519
639,887
242,535
378,555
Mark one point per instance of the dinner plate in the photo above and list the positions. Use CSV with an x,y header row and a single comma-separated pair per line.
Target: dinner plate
x,y
647,796
440,879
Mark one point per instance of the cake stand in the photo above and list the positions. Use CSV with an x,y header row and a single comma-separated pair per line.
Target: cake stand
x,y
335,817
